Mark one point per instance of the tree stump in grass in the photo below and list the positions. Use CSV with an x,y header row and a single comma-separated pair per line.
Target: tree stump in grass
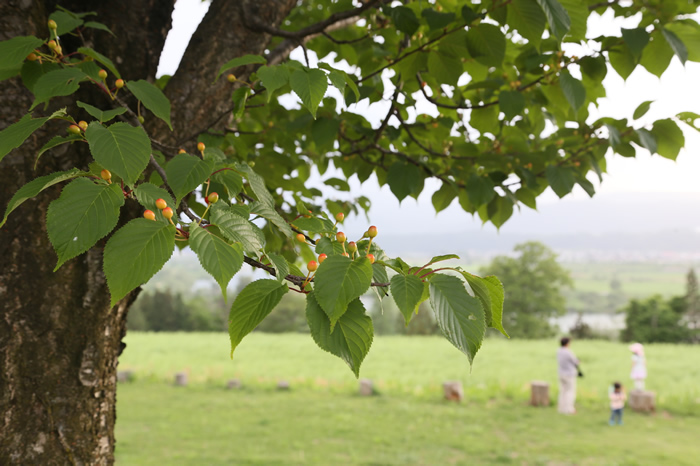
x,y
453,391
125,376
282,385
181,379
233,384
539,393
642,401
366,387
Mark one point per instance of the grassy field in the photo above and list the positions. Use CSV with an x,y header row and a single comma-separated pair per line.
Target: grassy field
x,y
637,280
322,420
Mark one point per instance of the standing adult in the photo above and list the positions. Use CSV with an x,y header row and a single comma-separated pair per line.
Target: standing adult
x,y
568,371
639,366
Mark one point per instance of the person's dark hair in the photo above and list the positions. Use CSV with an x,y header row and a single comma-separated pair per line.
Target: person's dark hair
x,y
617,385
565,341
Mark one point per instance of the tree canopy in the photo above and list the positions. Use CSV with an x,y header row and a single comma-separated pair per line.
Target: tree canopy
x,y
492,98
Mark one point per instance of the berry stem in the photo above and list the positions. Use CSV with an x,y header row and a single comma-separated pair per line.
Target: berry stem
x,y
436,270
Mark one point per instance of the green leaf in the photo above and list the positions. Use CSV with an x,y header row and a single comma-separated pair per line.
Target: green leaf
x,y
405,20
97,56
441,258
647,140
152,98
528,18
310,86
83,214
561,179
14,135
273,78
339,281
489,290
443,197
573,90
689,118
353,339
231,180
54,142
405,179
657,55
36,186
459,316
479,189
445,66
689,33
511,103
65,21
147,194
486,44
257,183
669,138
324,133
436,19
406,291
57,83
557,16
527,197
100,26
239,98
220,259
240,61
186,173
269,213
102,115
135,253
642,109
237,229
636,39
578,14
329,247
121,148
280,265
676,44
14,51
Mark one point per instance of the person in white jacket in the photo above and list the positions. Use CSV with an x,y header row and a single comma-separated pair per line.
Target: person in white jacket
x,y
568,371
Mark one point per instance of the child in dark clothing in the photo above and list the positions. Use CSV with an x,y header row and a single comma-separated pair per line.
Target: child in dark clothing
x,y
617,403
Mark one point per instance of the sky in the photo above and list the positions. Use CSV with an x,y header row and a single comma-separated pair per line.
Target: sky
x,y
628,181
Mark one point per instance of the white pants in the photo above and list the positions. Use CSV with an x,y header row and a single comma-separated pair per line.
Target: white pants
x,y
567,394
639,384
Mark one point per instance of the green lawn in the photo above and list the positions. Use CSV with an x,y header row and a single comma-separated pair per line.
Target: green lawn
x,y
322,420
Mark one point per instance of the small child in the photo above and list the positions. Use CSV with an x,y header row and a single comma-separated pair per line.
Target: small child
x,y
617,403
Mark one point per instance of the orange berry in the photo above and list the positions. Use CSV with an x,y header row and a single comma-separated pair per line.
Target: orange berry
x,y
340,236
52,44
212,198
301,238
149,215
119,83
32,56
312,266
371,258
52,24
346,254
201,146
352,246
74,129
321,258
372,231
106,175
340,216
102,74
231,78
83,125
161,204
168,213
182,151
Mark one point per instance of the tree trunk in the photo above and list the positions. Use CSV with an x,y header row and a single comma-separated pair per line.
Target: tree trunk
x,y
59,339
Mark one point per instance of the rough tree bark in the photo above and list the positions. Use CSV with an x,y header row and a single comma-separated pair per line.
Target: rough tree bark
x,y
59,339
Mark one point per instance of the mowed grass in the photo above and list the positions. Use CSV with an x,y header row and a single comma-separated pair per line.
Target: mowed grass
x,y
637,280
322,420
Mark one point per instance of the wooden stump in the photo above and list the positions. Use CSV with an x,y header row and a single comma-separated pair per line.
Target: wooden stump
x,y
366,387
233,384
453,391
181,379
539,393
282,385
642,401
125,376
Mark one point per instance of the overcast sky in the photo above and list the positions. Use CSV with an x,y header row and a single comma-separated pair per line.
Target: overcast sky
x,y
675,92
